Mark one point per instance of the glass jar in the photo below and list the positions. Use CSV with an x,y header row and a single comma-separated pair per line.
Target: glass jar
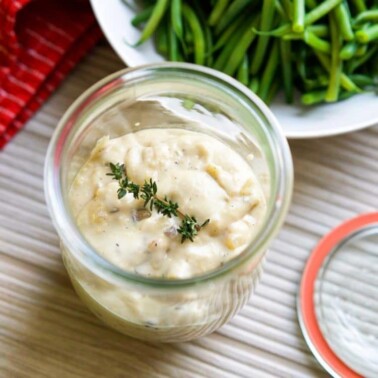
x,y
159,309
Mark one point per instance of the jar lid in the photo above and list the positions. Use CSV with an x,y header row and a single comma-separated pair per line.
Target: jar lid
x,y
338,299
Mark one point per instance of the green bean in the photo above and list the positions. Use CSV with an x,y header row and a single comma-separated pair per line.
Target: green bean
x,y
361,50
300,64
348,51
188,34
280,10
287,71
367,16
281,31
343,22
218,11
198,36
321,10
362,80
243,71
226,35
234,9
241,48
152,23
320,82
173,44
311,4
288,6
319,30
345,95
313,98
336,63
207,32
142,16
161,39
269,72
180,56
359,5
345,47
266,23
176,19
310,39
367,35
272,91
323,80
293,36
317,43
298,15
209,46
254,85
363,59
345,82
314,76
225,54
320,74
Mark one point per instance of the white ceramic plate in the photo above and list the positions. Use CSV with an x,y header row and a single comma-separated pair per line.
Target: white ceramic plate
x,y
298,122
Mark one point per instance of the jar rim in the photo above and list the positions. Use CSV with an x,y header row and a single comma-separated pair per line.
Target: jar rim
x,y
67,228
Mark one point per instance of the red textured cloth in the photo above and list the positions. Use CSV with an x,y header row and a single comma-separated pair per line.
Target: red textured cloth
x,y
40,42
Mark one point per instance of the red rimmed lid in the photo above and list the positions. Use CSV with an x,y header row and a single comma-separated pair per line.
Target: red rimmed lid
x,y
338,299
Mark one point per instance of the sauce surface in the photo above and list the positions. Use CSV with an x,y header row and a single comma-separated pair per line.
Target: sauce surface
x,y
207,179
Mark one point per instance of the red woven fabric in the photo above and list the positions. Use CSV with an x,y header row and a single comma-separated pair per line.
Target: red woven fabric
x,y
40,42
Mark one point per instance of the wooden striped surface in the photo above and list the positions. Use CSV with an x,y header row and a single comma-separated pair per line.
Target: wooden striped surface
x,y
45,331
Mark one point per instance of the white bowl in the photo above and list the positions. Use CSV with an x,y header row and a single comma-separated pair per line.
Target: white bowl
x,y
298,121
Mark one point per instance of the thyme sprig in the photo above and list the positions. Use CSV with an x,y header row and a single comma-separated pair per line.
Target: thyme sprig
x,y
189,226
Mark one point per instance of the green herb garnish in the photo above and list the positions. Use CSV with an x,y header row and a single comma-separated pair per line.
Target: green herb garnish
x,y
189,226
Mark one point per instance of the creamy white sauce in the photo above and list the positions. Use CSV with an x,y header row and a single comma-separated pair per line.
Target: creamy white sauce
x,y
204,176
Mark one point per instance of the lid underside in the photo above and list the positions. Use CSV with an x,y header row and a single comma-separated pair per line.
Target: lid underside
x,y
338,299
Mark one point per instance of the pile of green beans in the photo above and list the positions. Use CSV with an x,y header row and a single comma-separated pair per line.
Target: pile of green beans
x,y
327,50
